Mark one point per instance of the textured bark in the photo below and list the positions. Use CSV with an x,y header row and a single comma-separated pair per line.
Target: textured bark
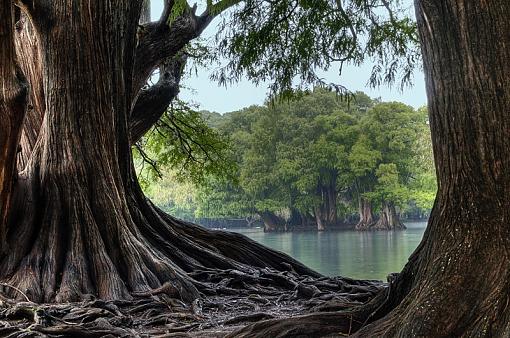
x,y
366,217
156,317
29,59
389,218
456,282
81,224
12,111
72,191
463,261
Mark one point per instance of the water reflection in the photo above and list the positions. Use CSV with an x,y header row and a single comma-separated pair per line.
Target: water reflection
x,y
363,255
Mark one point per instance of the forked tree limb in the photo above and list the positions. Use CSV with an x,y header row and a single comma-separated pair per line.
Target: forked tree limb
x,y
161,40
157,43
153,101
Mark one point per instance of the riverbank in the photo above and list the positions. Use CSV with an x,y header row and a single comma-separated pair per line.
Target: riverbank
x,y
233,224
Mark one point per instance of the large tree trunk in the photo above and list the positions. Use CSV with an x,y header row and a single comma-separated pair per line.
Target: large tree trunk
x,y
80,223
389,218
463,261
13,95
272,222
456,282
73,189
366,217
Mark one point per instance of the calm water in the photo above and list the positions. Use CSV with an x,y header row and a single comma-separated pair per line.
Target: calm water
x,y
363,255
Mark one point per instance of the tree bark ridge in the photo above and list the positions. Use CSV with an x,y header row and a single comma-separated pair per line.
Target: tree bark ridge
x,y
12,112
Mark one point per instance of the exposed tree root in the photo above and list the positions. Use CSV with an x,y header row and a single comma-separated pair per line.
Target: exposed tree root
x,y
140,272
234,300
118,266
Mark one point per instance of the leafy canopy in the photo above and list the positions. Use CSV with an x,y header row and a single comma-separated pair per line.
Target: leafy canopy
x,y
288,155
288,42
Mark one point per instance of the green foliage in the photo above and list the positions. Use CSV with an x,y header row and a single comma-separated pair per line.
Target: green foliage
x,y
182,140
174,196
290,156
290,152
423,187
287,41
296,155
389,187
363,158
222,199
179,7
383,159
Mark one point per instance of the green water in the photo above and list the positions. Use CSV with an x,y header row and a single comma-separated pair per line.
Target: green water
x,y
362,255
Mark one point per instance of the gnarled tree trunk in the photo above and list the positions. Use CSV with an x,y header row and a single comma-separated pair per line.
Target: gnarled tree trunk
x,y
366,217
80,223
388,219
456,282
463,261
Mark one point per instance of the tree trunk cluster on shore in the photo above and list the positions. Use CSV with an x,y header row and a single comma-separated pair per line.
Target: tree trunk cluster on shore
x,y
325,218
389,219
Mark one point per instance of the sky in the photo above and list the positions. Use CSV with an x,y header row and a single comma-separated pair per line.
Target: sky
x,y
198,88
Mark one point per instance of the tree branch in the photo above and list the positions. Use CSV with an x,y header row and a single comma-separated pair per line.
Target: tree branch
x,y
13,94
161,40
167,10
220,6
158,43
153,101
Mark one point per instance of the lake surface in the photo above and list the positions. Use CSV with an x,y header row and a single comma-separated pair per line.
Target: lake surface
x,y
361,255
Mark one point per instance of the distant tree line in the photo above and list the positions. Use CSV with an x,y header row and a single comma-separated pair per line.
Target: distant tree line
x,y
319,161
